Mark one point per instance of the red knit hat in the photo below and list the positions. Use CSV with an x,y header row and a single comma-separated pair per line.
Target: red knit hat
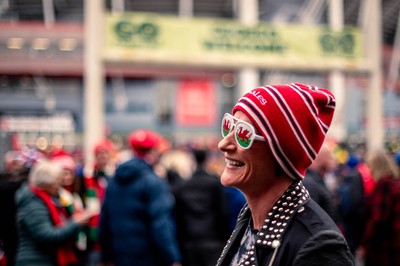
x,y
293,118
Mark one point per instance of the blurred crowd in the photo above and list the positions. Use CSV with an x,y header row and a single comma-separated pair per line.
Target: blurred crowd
x,y
157,203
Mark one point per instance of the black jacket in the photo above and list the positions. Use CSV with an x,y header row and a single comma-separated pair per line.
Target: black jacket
x,y
321,195
296,232
201,209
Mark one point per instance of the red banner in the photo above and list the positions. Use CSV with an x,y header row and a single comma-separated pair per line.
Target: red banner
x,y
196,103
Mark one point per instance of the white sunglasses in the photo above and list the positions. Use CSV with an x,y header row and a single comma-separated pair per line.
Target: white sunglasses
x,y
245,133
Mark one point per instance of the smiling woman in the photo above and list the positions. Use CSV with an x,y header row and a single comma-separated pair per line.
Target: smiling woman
x,y
278,225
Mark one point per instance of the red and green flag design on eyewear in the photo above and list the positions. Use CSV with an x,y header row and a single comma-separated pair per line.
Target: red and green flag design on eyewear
x,y
243,136
244,132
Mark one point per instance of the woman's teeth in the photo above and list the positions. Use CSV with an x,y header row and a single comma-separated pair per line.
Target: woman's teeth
x,y
233,163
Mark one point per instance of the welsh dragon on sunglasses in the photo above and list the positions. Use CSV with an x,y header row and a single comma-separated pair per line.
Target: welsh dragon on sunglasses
x,y
244,132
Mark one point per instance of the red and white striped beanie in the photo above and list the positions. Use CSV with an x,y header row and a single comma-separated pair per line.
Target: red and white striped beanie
x,y
293,118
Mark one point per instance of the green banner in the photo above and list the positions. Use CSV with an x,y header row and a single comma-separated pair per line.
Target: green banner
x,y
160,39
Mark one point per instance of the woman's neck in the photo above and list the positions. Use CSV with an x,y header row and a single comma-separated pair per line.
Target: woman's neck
x,y
262,203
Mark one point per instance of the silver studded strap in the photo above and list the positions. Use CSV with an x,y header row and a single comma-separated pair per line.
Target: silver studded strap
x,y
281,213
276,222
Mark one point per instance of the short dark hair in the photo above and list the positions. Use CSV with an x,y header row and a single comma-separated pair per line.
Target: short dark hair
x,y
200,155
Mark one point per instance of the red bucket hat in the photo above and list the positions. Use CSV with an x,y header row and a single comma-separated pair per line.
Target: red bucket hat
x,y
143,140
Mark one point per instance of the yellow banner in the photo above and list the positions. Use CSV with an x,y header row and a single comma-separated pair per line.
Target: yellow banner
x,y
160,39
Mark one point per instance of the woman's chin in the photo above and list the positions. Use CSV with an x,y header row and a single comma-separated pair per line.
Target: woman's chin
x,y
228,180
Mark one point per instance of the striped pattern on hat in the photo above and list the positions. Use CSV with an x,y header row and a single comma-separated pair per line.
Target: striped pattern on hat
x,y
293,118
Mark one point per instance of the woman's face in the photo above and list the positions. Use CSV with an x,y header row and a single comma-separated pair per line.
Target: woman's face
x,y
102,157
246,169
68,177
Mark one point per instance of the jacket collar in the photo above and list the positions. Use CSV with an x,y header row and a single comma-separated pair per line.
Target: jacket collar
x,y
275,225
280,215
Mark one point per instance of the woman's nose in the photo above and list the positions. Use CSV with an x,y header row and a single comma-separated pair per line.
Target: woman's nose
x,y
227,143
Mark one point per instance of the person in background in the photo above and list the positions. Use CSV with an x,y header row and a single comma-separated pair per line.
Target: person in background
x,y
136,220
71,185
315,182
380,243
176,166
95,181
71,199
272,136
352,192
104,167
201,215
15,174
46,233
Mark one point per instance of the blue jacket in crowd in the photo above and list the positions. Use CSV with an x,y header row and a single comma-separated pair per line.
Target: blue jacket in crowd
x,y
136,226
